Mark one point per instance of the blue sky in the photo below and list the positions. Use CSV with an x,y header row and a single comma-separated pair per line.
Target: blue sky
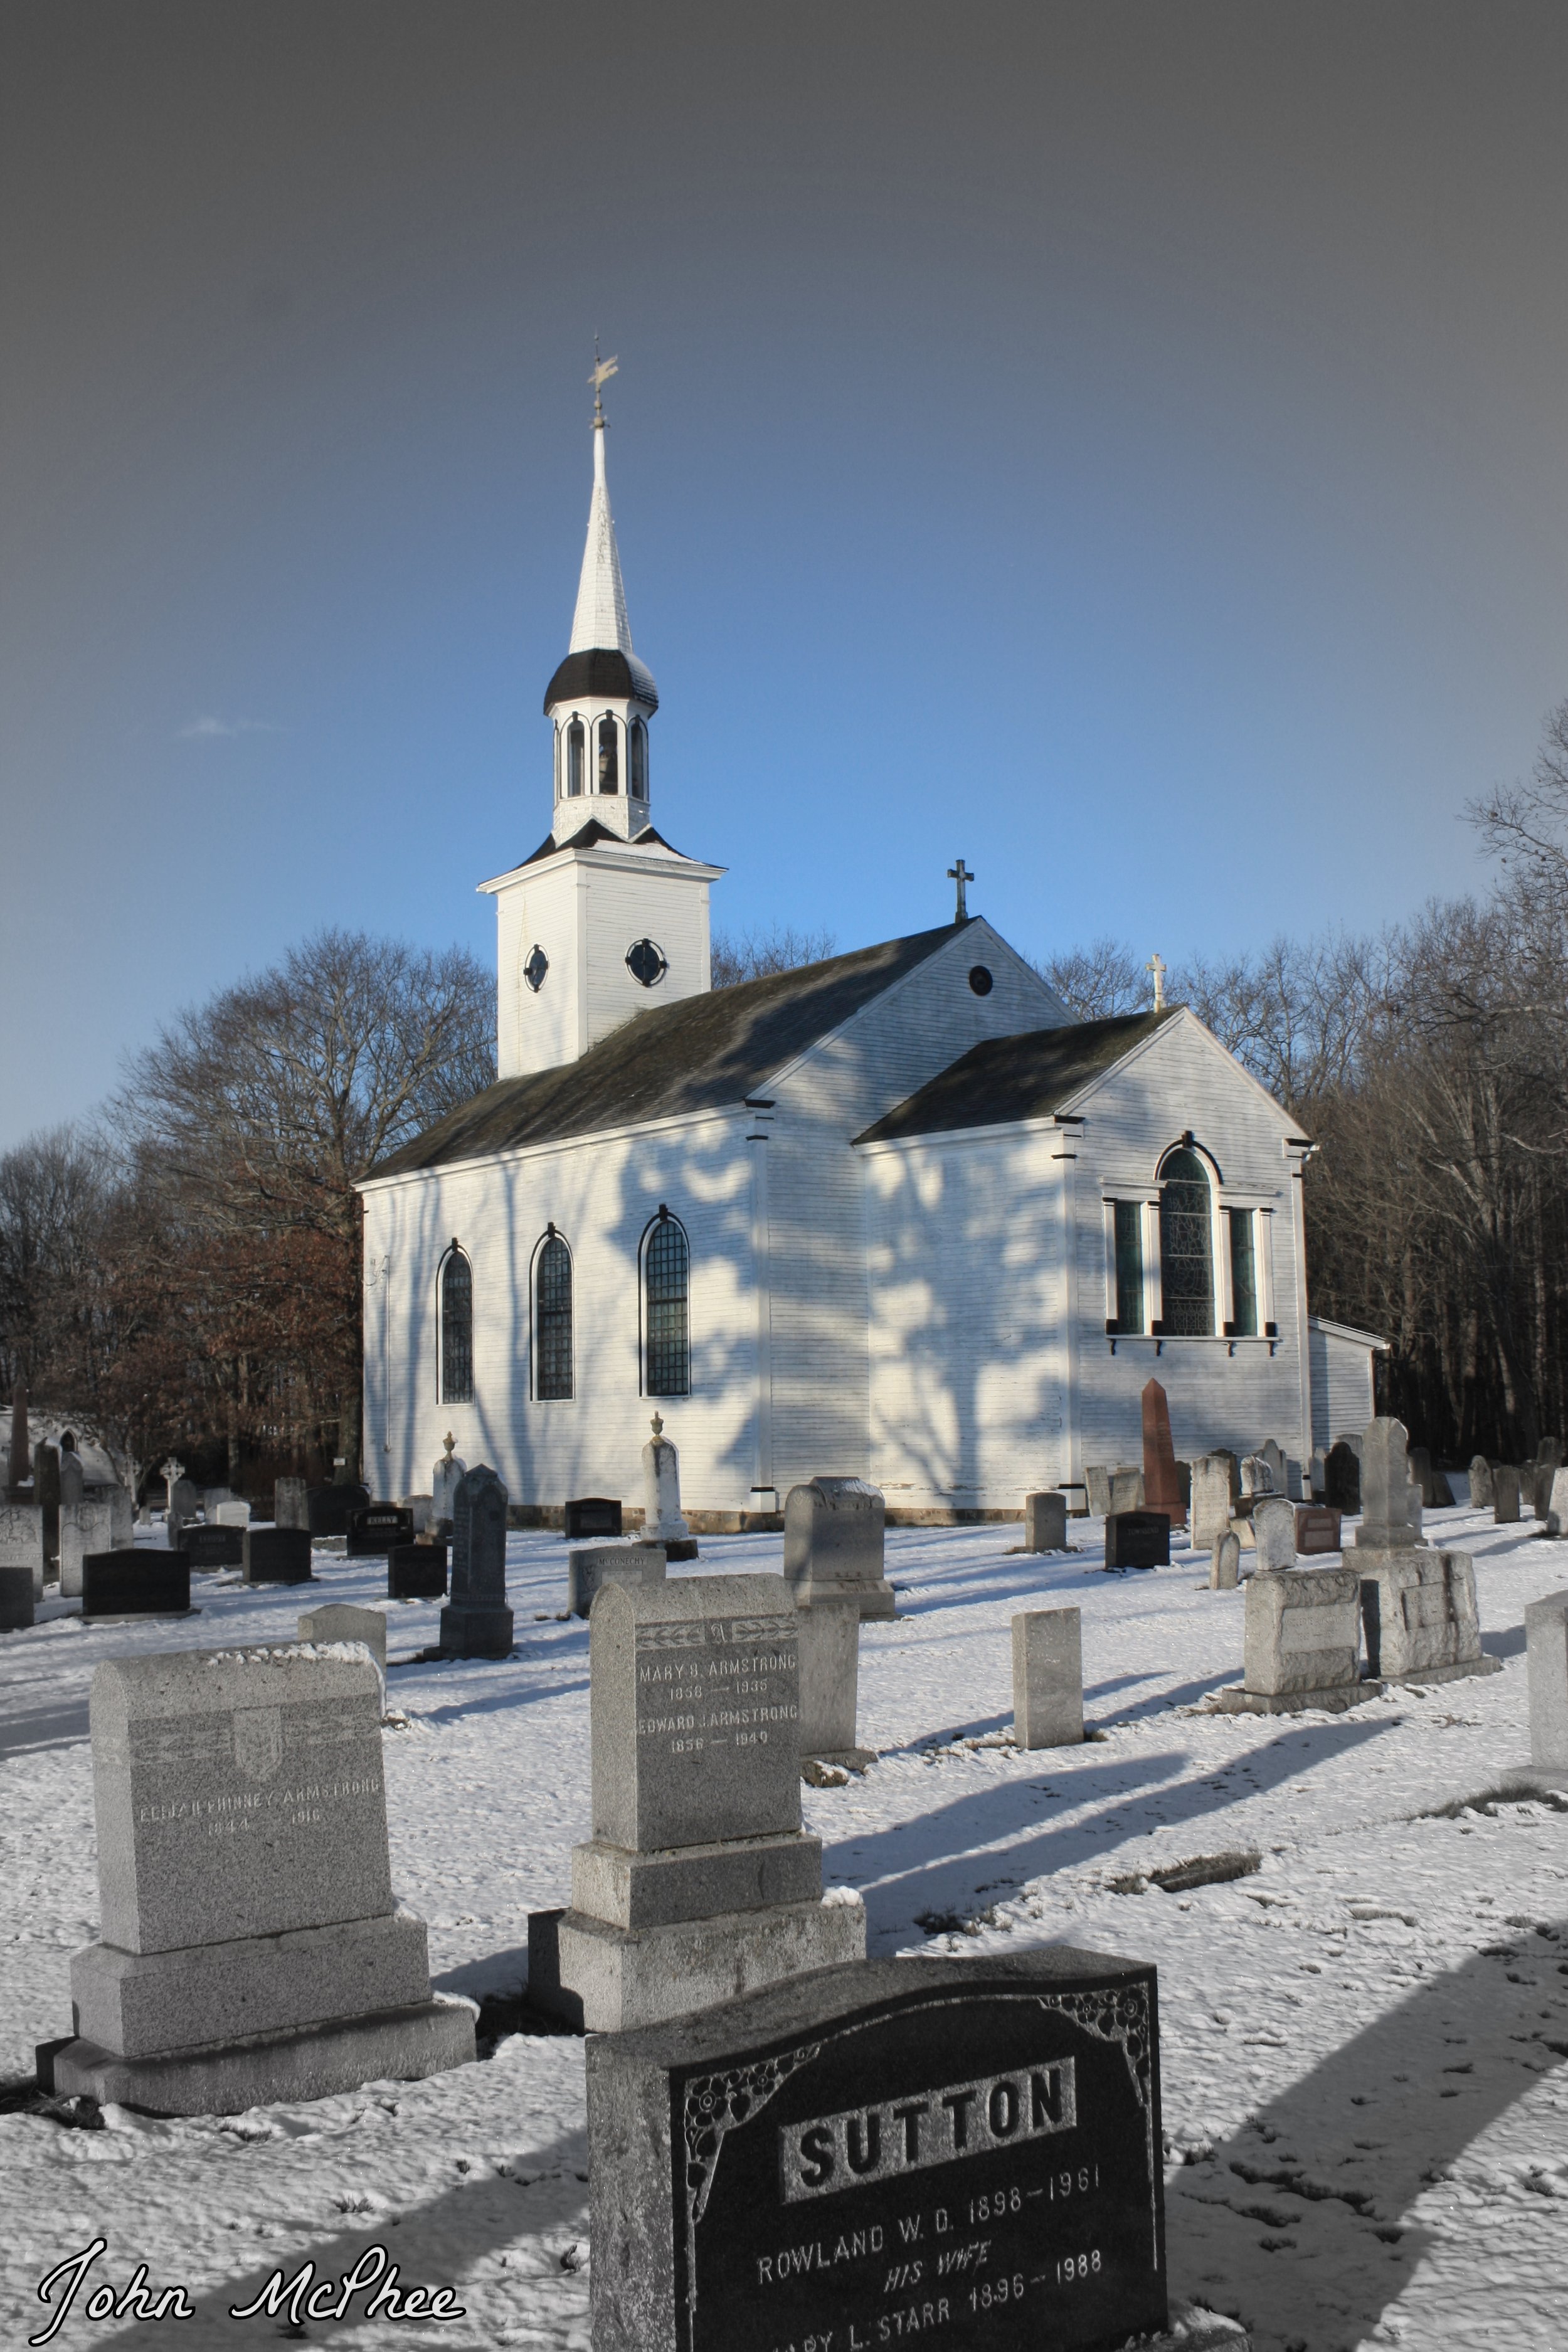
x,y
1123,444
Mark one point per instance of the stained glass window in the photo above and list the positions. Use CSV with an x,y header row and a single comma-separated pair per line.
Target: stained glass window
x,y
1243,1274
457,1330
666,1275
1186,1253
1128,1265
552,1319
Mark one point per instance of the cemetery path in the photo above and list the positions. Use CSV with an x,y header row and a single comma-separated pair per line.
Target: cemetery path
x,y
1365,2036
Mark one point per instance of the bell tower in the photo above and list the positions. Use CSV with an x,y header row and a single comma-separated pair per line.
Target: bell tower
x,y
604,920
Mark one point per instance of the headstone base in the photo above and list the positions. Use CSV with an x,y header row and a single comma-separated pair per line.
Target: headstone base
x,y
1481,1665
604,1979
676,1548
875,1600
318,2061
476,1633
681,1883
16,1598
1333,1701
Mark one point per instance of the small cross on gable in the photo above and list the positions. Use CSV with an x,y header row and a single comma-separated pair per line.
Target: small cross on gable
x,y
961,875
1157,967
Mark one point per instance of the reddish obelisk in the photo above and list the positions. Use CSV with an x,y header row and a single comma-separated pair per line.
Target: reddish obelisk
x,y
1162,1488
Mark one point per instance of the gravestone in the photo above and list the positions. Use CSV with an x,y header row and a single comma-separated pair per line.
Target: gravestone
x,y
16,1594
251,1947
1418,1612
1318,1529
1546,1646
1127,1491
965,2152
475,1622
375,1527
1279,1468
1257,1476
1505,1495
211,1498
1097,1481
1390,1503
131,1583
22,1541
444,1480
1481,1484
1319,1473
1224,1565
1161,1484
1535,1480
421,1512
184,1502
331,1508
276,1555
1302,1644
1137,1539
1045,1522
335,1620
212,1547
1557,1505
592,1515
698,1881
834,1533
47,1495
1442,1492
19,1459
72,1474
104,1521
1048,1678
1211,1500
662,1522
599,1564
417,1572
232,1514
291,1503
1422,1476
1273,1531
1342,1480
829,1643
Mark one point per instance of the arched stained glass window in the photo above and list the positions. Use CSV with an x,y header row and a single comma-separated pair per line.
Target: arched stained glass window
x,y
638,784
609,756
667,1281
1186,1246
456,1328
576,744
553,1318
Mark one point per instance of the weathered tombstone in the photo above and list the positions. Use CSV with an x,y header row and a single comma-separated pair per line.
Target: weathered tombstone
x,y
276,1555
1045,1522
1549,1453
1273,1531
1341,1480
834,1534
1013,2102
1535,1480
1389,1502
421,1511
417,1572
594,1565
1161,1484
475,1622
335,1620
134,1583
698,1882
662,1521
207,1548
102,1522
22,1541
1127,1491
19,1460
1302,1644
16,1595
290,1506
211,1498
331,1508
1257,1475
1421,1474
592,1515
1048,1678
1097,1481
251,1947
1418,1612
828,1635
1137,1539
1225,1566
1211,1500
1442,1492
1546,1648
444,1480
1279,1468
70,1475
232,1514
1481,1484
1318,1476
1505,1495
375,1527
184,1502
47,1495
1318,1529
1557,1505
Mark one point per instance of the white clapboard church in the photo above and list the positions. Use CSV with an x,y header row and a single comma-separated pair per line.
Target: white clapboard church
x,y
898,1215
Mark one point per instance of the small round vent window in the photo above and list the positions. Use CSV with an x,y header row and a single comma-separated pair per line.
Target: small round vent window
x,y
534,970
980,980
647,963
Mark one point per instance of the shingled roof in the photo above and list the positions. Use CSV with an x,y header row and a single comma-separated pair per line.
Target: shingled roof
x,y
705,1052
1026,1077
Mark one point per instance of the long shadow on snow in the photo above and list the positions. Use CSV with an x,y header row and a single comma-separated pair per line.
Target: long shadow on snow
x,y
31,1729
900,1877
497,1702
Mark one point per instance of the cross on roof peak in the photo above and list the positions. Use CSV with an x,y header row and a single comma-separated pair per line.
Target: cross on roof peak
x,y
1156,965
961,875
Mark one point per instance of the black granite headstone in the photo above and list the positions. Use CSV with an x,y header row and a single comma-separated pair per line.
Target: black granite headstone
x,y
131,1581
1137,1539
208,1547
277,1555
331,1507
417,1572
592,1515
964,2151
375,1527
1341,1478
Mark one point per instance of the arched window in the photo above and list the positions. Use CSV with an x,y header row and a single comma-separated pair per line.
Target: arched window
x,y
667,1282
552,1317
558,761
576,745
1186,1246
638,784
457,1318
609,756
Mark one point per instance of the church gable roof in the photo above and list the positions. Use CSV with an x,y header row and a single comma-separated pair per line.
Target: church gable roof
x,y
707,1052
1025,1077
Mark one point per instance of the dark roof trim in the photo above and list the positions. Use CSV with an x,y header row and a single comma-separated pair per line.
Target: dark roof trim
x,y
587,837
584,678
1005,1079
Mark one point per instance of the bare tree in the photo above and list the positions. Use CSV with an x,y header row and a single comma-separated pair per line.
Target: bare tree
x,y
1099,980
753,955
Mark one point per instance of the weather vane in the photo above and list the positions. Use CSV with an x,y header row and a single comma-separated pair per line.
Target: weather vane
x,y
603,371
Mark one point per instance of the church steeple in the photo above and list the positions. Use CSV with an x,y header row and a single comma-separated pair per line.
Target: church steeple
x,y
601,697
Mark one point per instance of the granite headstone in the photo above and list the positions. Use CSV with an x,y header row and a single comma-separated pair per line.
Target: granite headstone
x,y
1137,1539
834,1537
276,1555
475,1622
1048,1678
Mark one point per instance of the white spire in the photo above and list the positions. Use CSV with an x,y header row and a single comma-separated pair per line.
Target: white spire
x,y
600,619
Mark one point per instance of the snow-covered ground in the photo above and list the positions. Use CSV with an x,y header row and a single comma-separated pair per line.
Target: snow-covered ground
x,y
1365,2042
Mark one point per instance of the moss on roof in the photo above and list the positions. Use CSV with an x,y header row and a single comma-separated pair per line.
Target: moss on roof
x,y
1025,1077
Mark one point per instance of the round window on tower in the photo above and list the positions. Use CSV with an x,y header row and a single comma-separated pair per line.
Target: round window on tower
x,y
534,970
980,980
647,963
